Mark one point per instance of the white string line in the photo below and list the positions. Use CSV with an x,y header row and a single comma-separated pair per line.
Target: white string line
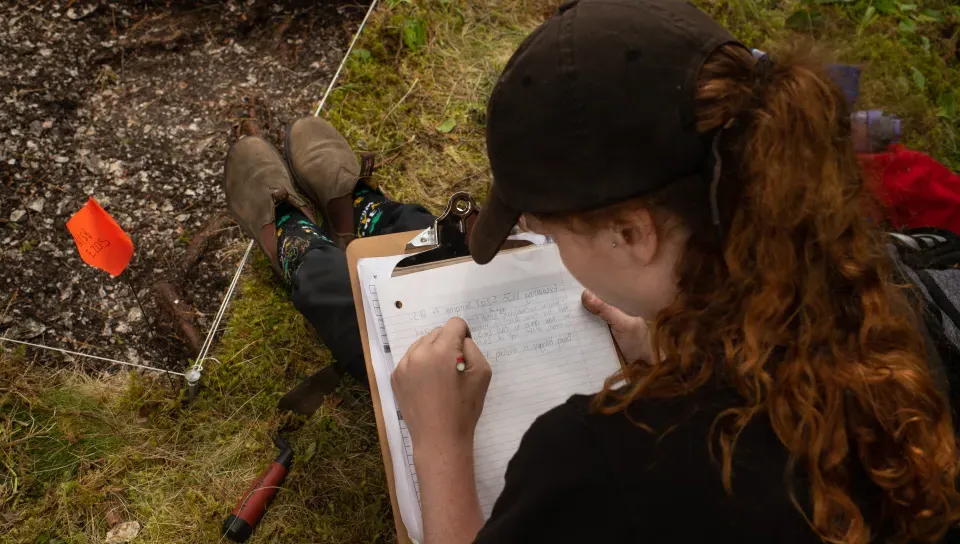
x,y
78,354
223,308
226,299
346,56
233,284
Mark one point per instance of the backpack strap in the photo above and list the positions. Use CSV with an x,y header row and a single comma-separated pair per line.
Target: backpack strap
x,y
943,360
927,247
939,297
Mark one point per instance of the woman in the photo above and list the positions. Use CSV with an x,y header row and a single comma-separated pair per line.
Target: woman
x,y
712,204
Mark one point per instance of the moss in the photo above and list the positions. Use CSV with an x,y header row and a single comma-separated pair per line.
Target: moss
x,y
131,444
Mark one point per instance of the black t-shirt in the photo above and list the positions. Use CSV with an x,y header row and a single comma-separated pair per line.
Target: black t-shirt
x,y
583,477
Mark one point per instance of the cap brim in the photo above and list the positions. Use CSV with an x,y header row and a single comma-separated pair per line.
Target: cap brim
x,y
494,224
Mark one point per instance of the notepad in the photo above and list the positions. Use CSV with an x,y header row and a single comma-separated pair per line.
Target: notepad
x,y
525,314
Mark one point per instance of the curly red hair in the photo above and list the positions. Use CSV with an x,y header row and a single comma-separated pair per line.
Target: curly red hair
x,y
797,309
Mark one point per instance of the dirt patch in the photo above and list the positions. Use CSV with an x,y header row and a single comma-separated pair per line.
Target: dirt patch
x,y
136,103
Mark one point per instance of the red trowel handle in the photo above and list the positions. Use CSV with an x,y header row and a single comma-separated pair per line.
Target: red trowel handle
x,y
240,524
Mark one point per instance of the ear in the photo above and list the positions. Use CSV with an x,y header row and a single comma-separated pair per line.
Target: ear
x,y
529,223
638,234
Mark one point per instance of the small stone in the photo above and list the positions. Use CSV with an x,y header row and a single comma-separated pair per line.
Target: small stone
x,y
134,314
48,123
115,168
37,205
183,217
34,328
75,14
61,159
17,215
123,533
46,52
190,192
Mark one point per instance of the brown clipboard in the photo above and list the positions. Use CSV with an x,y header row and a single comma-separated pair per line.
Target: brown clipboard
x,y
405,243
443,244
377,246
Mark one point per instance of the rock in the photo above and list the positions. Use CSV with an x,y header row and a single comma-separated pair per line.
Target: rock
x,y
33,328
134,314
115,168
17,215
36,205
123,532
92,163
77,14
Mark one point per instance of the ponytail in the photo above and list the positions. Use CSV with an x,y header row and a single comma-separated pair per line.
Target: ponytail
x,y
795,308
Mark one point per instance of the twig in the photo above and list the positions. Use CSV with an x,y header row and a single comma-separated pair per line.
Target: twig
x,y
397,105
9,303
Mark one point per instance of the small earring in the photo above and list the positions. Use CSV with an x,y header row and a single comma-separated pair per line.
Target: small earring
x,y
614,243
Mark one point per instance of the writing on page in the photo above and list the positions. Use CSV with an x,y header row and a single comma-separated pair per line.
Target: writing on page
x,y
525,315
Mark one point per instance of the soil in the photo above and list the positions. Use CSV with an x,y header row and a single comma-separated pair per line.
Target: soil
x,y
136,103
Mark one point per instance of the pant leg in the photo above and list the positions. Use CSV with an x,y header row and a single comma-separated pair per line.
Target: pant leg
x,y
406,217
322,292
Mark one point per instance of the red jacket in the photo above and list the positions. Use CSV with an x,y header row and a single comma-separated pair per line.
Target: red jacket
x,y
915,189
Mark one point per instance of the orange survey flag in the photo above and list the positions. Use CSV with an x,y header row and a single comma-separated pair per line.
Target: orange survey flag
x,y
100,240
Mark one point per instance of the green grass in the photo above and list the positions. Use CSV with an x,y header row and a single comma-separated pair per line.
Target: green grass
x,y
80,452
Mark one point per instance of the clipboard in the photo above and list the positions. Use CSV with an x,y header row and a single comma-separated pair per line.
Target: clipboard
x,y
442,244
377,246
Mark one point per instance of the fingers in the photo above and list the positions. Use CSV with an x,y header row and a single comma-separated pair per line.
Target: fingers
x,y
425,339
432,336
475,359
453,332
614,317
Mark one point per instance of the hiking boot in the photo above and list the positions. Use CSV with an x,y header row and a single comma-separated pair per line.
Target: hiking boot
x,y
326,170
255,180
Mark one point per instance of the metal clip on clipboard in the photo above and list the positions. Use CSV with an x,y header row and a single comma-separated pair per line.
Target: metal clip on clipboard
x,y
447,238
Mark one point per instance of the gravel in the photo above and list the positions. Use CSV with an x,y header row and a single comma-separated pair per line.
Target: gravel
x,y
136,103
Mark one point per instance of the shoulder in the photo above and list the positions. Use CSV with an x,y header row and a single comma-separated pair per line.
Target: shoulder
x,y
558,486
575,432
562,436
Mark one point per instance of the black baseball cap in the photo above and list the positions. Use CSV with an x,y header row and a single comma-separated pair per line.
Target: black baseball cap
x,y
596,106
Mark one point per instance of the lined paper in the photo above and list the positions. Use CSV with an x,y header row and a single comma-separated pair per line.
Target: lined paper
x,y
405,477
525,314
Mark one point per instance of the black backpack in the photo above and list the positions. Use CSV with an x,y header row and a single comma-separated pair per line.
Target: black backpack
x,y
928,259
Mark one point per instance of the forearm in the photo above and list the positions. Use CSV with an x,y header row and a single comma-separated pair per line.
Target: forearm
x,y
451,509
